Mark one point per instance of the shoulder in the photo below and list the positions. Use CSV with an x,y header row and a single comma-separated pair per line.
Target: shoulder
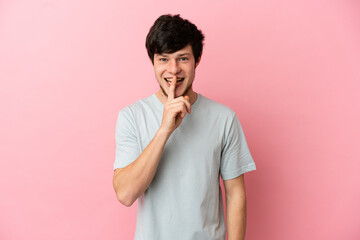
x,y
138,106
215,108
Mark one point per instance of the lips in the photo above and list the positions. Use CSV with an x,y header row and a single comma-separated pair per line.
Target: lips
x,y
178,81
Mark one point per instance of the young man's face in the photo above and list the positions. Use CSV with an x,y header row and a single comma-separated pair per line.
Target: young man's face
x,y
180,64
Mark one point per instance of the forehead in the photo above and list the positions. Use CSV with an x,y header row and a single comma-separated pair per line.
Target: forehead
x,y
187,50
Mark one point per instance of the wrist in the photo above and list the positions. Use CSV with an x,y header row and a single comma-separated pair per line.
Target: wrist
x,y
162,134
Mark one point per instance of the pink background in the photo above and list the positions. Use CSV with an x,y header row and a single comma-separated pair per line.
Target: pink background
x,y
290,69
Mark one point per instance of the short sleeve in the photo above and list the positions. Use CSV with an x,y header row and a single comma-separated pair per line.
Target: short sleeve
x,y
127,149
235,155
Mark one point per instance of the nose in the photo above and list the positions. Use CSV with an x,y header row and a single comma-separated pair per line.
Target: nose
x,y
173,67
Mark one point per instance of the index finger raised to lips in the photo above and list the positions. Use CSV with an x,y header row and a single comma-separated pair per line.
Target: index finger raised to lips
x,y
172,89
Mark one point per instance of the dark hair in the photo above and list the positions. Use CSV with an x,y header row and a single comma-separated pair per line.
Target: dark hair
x,y
172,33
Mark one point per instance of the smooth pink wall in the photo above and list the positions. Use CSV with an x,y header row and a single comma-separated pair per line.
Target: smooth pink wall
x,y
290,69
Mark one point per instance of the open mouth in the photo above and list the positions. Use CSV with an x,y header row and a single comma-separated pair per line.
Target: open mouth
x,y
177,82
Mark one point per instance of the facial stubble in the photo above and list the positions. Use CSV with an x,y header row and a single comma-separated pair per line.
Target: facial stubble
x,y
184,94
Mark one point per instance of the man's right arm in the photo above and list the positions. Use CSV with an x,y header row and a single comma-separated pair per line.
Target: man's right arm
x,y
133,180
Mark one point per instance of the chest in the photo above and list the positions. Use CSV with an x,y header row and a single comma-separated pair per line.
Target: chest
x,y
193,150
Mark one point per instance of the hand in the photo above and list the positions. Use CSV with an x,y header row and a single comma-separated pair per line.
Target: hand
x,y
175,109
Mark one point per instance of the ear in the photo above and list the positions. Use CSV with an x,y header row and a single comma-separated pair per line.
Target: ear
x,y
198,61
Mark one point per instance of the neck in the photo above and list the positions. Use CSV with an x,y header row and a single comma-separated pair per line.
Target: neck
x,y
163,98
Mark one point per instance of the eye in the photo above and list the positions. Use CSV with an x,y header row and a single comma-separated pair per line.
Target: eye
x,y
183,59
162,59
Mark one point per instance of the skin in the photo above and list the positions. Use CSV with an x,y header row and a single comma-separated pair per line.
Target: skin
x,y
180,64
132,181
235,208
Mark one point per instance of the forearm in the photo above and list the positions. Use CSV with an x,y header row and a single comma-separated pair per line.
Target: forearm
x,y
133,180
236,217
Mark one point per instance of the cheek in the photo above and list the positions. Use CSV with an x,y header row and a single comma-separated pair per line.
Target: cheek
x,y
159,71
190,72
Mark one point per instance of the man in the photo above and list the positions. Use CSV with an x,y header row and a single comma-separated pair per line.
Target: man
x,y
172,146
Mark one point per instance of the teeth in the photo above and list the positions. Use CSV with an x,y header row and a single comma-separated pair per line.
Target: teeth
x,y
169,81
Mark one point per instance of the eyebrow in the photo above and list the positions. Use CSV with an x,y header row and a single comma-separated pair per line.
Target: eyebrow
x,y
183,54
166,55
